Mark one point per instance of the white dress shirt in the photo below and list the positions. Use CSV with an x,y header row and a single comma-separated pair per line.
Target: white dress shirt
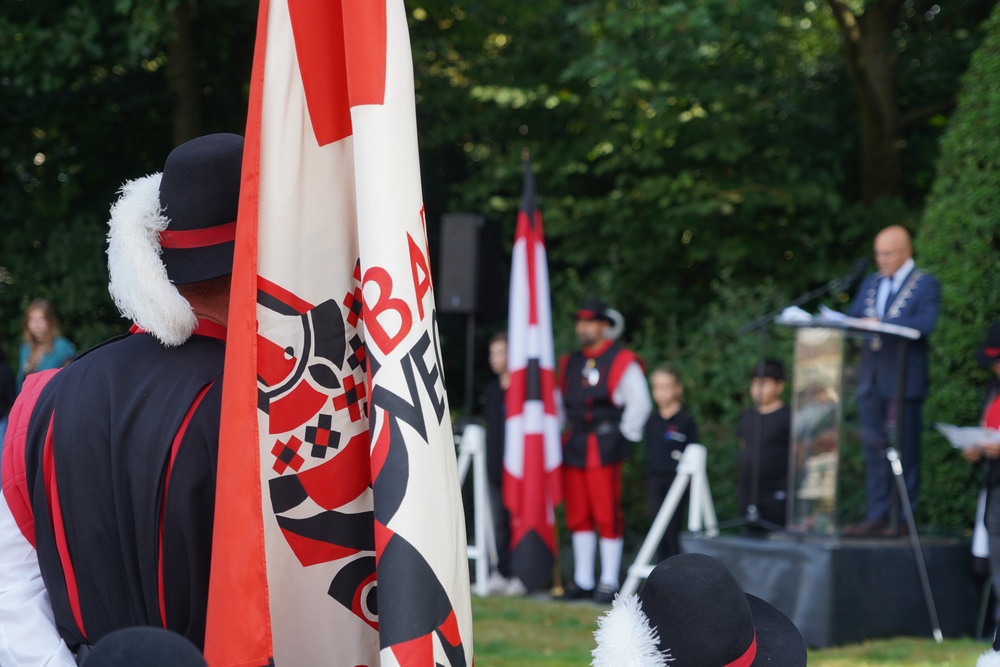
x,y
632,393
28,634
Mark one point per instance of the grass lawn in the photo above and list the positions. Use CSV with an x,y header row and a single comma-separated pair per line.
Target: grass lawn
x,y
518,632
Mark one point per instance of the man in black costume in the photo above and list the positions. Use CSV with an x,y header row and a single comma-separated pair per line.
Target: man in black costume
x,y
109,464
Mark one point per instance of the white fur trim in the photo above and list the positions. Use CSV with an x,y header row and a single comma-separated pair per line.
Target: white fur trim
x,y
625,638
139,283
989,659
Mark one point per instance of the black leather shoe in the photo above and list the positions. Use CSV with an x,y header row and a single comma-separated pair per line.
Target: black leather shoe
x,y
605,594
902,530
869,528
574,592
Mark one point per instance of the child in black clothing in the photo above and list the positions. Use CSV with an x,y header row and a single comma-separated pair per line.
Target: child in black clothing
x,y
764,433
668,431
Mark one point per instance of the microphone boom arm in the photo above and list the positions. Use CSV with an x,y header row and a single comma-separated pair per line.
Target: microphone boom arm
x,y
838,284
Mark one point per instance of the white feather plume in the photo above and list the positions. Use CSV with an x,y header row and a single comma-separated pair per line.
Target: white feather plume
x,y
989,659
139,283
617,327
625,638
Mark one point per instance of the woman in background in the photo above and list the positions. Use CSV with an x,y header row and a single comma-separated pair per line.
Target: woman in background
x,y
43,346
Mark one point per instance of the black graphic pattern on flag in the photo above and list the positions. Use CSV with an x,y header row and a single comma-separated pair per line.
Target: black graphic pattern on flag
x,y
322,437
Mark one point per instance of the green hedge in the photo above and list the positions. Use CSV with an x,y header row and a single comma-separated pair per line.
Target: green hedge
x,y
958,243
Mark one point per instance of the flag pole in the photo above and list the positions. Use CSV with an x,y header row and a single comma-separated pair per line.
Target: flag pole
x,y
557,589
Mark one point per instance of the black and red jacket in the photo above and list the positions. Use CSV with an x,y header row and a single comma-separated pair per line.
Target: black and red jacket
x,y
588,380
110,474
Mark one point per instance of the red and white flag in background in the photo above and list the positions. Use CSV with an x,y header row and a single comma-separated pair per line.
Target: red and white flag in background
x,y
339,534
532,450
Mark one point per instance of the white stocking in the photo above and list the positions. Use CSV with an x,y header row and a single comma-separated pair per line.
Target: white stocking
x,y
611,560
584,555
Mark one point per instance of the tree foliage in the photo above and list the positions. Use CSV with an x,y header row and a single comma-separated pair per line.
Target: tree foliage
x,y
673,140
878,35
85,106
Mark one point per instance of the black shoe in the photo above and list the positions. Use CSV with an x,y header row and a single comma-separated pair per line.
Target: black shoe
x,y
605,594
870,528
902,530
574,592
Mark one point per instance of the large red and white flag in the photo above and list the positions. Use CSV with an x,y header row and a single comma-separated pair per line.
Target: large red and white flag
x,y
532,450
339,534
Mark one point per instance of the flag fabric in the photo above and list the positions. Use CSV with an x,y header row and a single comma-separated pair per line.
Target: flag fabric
x,y
532,450
339,533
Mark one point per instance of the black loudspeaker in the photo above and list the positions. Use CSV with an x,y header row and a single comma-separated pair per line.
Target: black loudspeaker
x,y
457,281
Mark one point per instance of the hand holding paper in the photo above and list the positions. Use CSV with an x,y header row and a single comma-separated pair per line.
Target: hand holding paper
x,y
966,437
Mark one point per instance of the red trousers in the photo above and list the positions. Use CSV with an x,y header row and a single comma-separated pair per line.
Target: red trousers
x,y
594,500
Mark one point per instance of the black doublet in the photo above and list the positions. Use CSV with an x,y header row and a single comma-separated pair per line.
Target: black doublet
x,y
590,410
115,413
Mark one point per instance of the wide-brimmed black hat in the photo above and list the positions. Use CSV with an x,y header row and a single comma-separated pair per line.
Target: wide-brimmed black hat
x,y
989,353
692,612
145,647
593,309
199,196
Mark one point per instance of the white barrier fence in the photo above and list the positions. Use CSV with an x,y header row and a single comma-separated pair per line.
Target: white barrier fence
x,y
691,472
701,513
483,549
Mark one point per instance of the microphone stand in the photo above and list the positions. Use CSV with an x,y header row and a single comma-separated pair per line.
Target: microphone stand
x,y
836,285
752,516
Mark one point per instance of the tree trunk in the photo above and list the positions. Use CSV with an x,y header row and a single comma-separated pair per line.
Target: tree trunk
x,y
871,66
182,63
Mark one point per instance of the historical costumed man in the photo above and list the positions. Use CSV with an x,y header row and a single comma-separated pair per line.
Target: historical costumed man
x,y
607,402
109,463
903,294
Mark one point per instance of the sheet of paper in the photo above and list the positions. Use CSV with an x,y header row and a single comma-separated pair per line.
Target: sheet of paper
x,y
794,314
965,437
827,313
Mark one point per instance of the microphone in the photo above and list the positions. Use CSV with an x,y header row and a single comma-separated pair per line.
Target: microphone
x,y
845,281
860,269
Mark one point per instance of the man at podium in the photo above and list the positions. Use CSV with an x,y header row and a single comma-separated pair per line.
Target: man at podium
x,y
903,294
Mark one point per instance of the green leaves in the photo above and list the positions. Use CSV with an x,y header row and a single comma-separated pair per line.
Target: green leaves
x,y
84,106
959,242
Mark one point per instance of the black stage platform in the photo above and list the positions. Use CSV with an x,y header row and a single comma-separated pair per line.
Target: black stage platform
x,y
842,590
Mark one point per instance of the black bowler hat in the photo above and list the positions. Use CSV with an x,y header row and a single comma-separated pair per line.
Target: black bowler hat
x,y
593,309
199,196
175,228
989,353
145,647
692,612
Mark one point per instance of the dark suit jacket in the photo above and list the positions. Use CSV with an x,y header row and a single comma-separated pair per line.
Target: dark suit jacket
x,y
916,305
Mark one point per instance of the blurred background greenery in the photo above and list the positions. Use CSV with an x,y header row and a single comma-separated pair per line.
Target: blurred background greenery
x,y
699,164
